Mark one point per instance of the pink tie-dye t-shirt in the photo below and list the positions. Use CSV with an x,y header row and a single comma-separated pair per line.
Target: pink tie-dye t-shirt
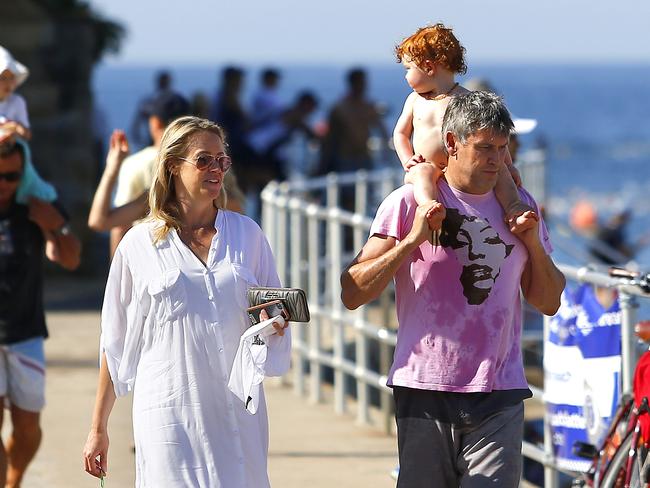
x,y
458,305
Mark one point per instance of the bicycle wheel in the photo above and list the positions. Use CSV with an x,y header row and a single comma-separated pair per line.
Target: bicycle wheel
x,y
614,476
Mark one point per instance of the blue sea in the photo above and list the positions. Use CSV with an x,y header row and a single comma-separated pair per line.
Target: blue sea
x,y
594,120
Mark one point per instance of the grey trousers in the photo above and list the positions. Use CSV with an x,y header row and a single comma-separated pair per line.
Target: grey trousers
x,y
435,454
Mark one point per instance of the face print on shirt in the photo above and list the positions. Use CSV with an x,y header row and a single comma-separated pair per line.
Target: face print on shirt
x,y
479,249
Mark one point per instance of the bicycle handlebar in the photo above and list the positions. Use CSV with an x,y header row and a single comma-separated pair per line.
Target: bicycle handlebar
x,y
642,280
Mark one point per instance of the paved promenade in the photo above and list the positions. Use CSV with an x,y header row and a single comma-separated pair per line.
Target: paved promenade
x,y
311,447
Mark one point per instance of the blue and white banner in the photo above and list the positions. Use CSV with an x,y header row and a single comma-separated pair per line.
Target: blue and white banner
x,y
582,366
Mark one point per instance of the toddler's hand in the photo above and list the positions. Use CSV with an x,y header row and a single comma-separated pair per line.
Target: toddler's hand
x,y
9,129
415,159
5,135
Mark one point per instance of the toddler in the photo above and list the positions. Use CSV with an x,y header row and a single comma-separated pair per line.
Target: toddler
x,y
432,57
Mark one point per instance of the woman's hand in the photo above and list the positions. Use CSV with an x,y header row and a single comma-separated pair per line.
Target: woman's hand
x,y
95,454
279,327
118,150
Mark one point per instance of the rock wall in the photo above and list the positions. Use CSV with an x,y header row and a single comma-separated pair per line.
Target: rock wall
x,y
60,54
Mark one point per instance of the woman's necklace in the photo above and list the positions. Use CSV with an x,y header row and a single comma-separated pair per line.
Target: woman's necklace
x,y
439,96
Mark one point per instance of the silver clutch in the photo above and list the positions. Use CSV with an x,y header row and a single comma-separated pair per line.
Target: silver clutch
x,y
293,300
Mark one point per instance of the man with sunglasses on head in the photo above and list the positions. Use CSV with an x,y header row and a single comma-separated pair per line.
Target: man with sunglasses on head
x,y
22,318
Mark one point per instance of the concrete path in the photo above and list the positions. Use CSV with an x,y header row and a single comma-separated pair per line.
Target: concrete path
x,y
310,445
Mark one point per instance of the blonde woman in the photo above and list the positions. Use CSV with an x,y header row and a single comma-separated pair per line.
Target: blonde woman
x,y
173,313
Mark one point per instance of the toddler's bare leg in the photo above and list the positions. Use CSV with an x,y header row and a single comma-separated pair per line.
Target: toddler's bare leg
x,y
424,177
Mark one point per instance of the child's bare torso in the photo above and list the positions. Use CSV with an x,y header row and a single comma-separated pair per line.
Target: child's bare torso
x,y
427,126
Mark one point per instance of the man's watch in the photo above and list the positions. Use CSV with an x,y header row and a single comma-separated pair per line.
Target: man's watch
x,y
64,230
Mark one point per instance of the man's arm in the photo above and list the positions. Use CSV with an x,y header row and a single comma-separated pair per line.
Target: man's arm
x,y
373,268
51,222
541,282
102,216
116,235
69,249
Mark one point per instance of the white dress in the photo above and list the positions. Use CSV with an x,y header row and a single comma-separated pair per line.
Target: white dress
x,y
170,330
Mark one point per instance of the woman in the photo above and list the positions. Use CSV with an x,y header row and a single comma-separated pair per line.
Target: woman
x,y
173,313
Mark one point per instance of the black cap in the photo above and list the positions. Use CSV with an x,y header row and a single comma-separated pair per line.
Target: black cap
x,y
168,106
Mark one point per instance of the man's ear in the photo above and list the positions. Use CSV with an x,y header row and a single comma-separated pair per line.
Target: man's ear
x,y
451,144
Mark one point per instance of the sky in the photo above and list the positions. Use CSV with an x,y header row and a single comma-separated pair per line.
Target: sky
x,y
366,31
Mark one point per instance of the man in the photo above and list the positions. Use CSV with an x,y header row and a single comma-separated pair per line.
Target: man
x,y
163,85
270,144
266,106
22,319
136,173
457,374
350,123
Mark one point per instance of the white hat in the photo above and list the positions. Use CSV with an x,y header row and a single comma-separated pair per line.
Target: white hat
x,y
7,61
524,126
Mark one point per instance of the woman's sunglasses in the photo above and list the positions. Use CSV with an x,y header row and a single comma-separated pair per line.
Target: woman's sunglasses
x,y
206,161
11,176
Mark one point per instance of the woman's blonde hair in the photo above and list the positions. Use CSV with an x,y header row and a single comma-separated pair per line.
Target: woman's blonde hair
x,y
175,143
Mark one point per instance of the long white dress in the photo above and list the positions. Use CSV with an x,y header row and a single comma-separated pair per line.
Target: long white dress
x,y
170,329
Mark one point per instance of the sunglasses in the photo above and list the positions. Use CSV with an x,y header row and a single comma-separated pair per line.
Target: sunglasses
x,y
208,162
11,176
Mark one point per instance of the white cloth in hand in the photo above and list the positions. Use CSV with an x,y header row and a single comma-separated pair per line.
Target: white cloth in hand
x,y
248,369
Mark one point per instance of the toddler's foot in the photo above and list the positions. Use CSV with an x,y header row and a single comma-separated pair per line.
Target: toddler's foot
x,y
435,216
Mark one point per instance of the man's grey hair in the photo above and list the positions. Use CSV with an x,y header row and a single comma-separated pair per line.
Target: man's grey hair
x,y
474,111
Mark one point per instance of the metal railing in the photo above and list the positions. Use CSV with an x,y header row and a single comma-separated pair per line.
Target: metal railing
x,y
313,239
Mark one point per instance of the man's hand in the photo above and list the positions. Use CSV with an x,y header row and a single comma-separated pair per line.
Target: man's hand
x,y
45,215
520,217
526,227
421,230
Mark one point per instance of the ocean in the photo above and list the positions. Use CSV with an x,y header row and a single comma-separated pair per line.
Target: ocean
x,y
593,120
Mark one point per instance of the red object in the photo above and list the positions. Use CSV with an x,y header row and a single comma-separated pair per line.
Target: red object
x,y
641,388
